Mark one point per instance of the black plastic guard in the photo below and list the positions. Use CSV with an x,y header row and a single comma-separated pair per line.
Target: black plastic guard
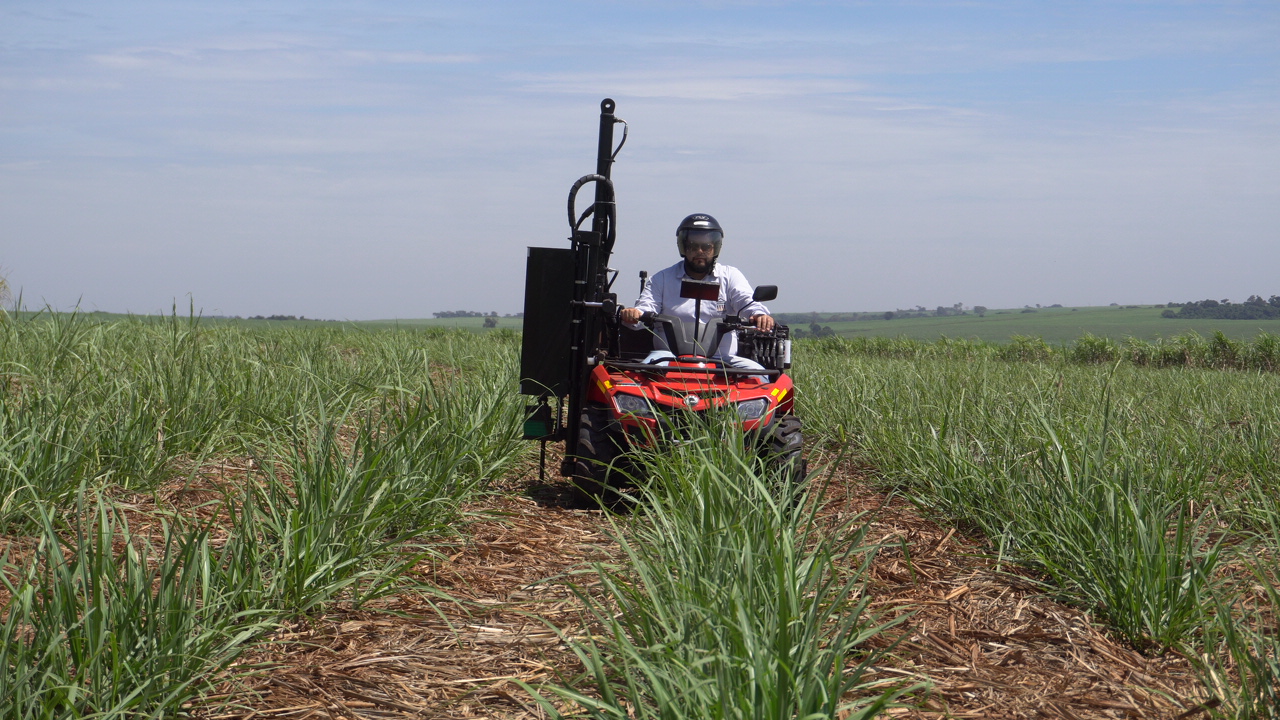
x,y
544,350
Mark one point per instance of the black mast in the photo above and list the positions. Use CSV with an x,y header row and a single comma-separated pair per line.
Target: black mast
x,y
591,284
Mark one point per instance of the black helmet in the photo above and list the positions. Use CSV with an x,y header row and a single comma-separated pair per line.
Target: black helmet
x,y
699,224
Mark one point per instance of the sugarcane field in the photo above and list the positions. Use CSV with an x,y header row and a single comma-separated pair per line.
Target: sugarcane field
x,y
252,469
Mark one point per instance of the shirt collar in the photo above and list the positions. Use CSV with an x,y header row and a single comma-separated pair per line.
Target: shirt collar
x,y
714,274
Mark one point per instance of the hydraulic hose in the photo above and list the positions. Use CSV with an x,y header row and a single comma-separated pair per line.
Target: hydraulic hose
x,y
573,196
610,215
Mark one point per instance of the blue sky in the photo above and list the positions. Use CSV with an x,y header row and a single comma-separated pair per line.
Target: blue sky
x,y
390,159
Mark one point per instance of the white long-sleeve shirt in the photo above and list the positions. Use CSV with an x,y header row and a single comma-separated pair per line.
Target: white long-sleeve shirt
x,y
662,295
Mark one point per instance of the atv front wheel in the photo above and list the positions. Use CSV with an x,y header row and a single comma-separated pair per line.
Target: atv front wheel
x,y
595,475
783,445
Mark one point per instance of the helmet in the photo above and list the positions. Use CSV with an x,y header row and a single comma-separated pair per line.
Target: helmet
x,y
699,225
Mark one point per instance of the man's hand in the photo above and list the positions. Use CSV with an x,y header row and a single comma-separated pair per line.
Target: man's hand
x,y
762,321
630,316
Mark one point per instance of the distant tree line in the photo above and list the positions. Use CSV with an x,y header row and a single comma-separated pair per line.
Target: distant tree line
x,y
920,311
815,330
814,317
277,317
1255,308
490,318
463,314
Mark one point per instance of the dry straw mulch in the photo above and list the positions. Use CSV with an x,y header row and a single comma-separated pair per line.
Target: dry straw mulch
x,y
985,638
443,657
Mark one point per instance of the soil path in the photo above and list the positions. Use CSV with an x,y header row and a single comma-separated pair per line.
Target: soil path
x,y
988,642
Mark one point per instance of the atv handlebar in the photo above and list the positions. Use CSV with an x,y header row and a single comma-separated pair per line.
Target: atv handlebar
x,y
730,322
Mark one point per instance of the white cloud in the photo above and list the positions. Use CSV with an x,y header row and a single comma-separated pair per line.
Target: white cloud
x,y
694,86
408,58
262,58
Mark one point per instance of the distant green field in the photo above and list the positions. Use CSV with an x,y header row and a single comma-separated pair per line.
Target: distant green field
x,y
473,323
466,323
1055,325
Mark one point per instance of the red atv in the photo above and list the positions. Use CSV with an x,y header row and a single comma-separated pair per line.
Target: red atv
x,y
633,404
610,395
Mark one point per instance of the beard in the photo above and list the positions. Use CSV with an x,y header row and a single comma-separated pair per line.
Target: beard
x,y
698,265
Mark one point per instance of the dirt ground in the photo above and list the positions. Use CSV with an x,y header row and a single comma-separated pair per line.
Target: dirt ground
x,y
984,637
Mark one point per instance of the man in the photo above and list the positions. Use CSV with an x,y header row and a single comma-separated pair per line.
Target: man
x,y
699,239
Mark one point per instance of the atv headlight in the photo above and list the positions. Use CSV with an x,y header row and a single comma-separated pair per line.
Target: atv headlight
x,y
753,409
633,405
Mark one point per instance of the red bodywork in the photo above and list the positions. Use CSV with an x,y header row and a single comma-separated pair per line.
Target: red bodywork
x,y
675,391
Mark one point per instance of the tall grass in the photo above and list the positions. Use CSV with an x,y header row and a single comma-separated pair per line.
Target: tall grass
x,y
1107,527
732,602
51,444
1241,658
332,517
101,623
130,403
1188,350
1136,490
366,444
298,544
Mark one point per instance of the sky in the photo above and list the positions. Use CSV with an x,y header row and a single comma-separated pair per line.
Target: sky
x,y
368,160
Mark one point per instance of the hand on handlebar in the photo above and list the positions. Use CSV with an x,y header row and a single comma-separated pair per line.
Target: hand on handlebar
x,y
762,321
629,315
